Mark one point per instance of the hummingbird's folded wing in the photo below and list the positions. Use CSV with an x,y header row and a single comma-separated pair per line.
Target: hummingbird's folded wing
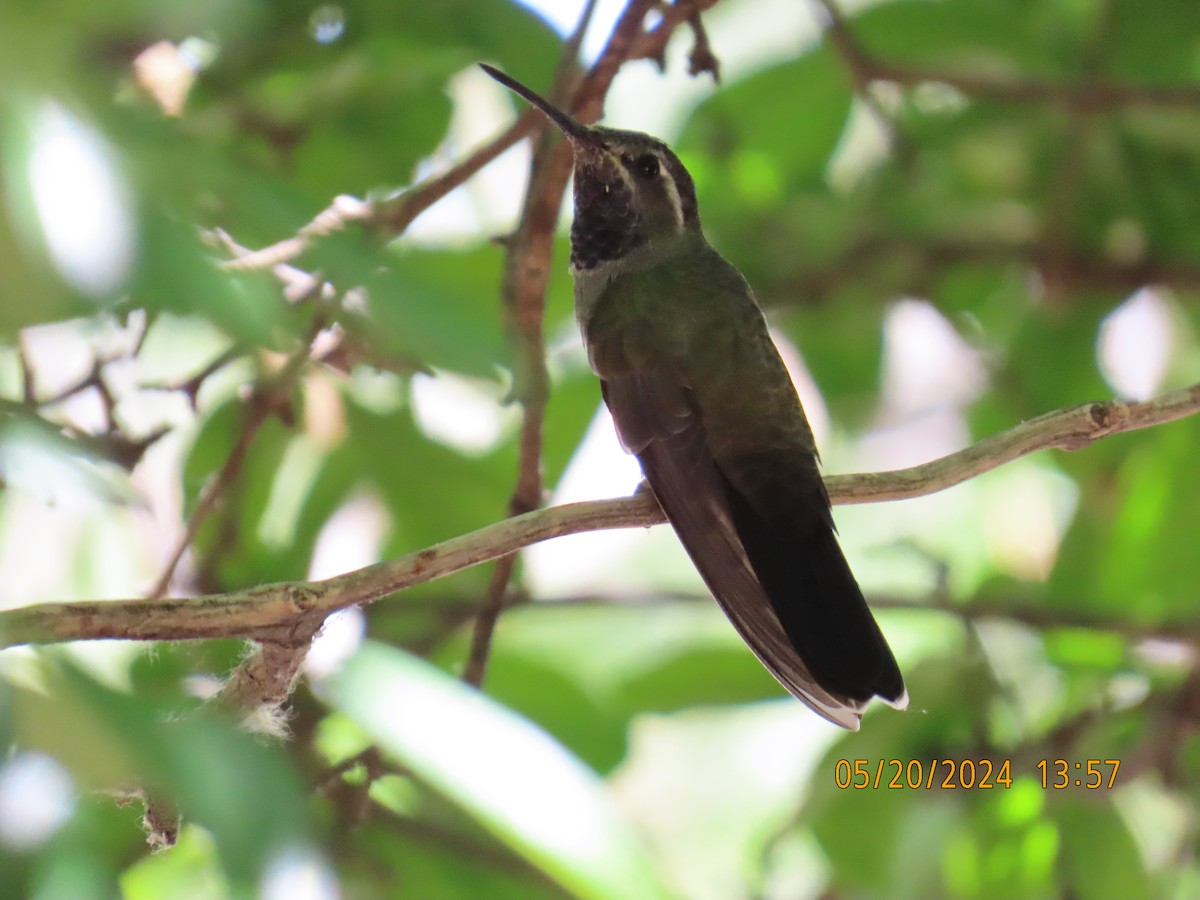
x,y
657,420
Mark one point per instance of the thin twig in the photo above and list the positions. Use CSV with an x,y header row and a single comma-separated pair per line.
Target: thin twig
x,y
263,402
298,285
1041,617
342,211
290,613
392,216
28,378
1064,429
256,415
93,379
190,386
652,44
369,758
1066,183
702,59
845,46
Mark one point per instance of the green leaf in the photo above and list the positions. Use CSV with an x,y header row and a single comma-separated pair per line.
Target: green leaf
x,y
402,862
442,307
551,695
219,776
842,344
1086,650
1141,50
699,674
176,273
521,784
35,294
432,491
993,36
1099,857
190,870
574,401
780,124
1130,550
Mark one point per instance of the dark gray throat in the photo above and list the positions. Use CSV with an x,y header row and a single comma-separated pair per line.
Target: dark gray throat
x,y
606,227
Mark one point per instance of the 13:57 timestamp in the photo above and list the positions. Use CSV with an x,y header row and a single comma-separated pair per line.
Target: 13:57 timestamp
x,y
1089,773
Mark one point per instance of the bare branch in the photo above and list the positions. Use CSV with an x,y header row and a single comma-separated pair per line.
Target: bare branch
x,y
290,613
190,386
343,210
265,678
1065,429
392,216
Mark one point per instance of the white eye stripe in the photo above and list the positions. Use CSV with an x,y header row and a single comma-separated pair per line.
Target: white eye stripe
x,y
676,203
664,176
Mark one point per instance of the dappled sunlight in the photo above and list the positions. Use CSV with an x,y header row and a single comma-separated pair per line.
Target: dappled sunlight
x,y
929,376
686,772
339,637
926,363
525,787
570,565
462,413
37,797
352,537
1027,509
299,873
1135,343
81,200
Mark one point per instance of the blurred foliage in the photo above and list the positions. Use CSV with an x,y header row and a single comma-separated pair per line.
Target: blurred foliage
x,y
1029,172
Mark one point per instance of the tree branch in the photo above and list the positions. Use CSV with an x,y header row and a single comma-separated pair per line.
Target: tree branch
x,y
391,216
1064,429
290,613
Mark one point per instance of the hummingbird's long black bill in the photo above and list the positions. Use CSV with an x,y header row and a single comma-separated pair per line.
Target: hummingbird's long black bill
x,y
578,134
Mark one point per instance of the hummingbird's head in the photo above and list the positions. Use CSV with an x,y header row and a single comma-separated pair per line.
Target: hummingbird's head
x,y
630,189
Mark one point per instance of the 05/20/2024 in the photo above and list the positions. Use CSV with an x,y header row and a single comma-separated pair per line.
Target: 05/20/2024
x,y
970,774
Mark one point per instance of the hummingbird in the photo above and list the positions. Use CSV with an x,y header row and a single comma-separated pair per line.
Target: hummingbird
x,y
699,394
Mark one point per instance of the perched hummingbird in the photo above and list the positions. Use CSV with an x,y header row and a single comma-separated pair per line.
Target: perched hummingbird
x,y
699,394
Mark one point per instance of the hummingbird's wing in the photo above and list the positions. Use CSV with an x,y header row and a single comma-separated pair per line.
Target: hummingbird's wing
x,y
699,393
657,420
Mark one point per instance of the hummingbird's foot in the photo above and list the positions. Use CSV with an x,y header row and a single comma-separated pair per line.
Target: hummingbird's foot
x,y
644,487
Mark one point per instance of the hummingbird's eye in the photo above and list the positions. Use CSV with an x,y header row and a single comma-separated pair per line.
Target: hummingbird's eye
x,y
646,166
